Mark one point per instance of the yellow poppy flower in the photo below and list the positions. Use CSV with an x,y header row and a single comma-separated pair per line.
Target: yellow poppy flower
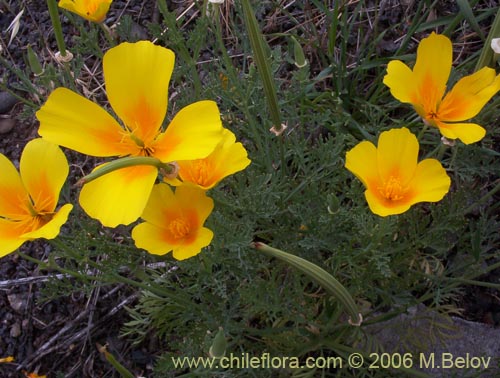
x,y
28,199
137,76
393,179
227,158
92,10
174,222
424,87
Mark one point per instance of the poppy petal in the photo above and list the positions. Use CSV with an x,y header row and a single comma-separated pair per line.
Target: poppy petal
x,y
161,206
94,11
44,170
13,196
137,76
70,120
430,183
401,82
467,132
362,162
228,157
118,197
10,237
384,207
432,68
193,198
397,155
151,238
203,238
469,95
52,228
194,133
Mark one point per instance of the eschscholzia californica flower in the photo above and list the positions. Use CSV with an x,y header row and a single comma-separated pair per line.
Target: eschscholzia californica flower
x,y
227,158
137,76
28,199
393,179
174,222
424,87
92,10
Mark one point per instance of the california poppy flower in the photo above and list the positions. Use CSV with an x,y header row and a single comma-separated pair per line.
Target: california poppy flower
x,y
424,87
227,158
28,198
137,76
92,10
174,222
393,178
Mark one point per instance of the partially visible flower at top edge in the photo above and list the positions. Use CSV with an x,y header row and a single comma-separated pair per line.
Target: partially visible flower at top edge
x,y
92,10
424,87
174,222
393,179
137,76
28,198
227,158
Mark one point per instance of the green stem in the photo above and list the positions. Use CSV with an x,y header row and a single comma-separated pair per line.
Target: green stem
x,y
262,62
56,24
325,279
483,199
125,162
487,57
441,151
422,132
113,361
107,34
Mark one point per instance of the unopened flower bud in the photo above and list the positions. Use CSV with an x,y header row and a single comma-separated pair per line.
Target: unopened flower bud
x,y
219,345
333,203
298,54
34,63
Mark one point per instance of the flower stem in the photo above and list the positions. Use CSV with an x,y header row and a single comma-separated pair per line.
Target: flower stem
x,y
113,361
422,132
107,33
56,24
483,199
262,61
125,162
325,279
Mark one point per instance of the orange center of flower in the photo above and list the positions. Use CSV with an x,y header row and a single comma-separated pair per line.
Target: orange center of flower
x,y
392,189
179,228
38,218
91,6
200,172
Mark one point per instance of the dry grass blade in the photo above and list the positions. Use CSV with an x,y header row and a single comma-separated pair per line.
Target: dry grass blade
x,y
14,26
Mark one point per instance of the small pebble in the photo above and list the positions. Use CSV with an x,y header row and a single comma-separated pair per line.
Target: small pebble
x,y
7,101
15,330
6,125
17,302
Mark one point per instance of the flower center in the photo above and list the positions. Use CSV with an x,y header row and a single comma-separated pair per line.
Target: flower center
x,y
91,6
179,228
137,143
392,189
201,171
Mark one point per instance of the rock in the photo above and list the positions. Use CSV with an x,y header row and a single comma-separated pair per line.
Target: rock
x,y
17,302
15,330
7,101
6,125
439,345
